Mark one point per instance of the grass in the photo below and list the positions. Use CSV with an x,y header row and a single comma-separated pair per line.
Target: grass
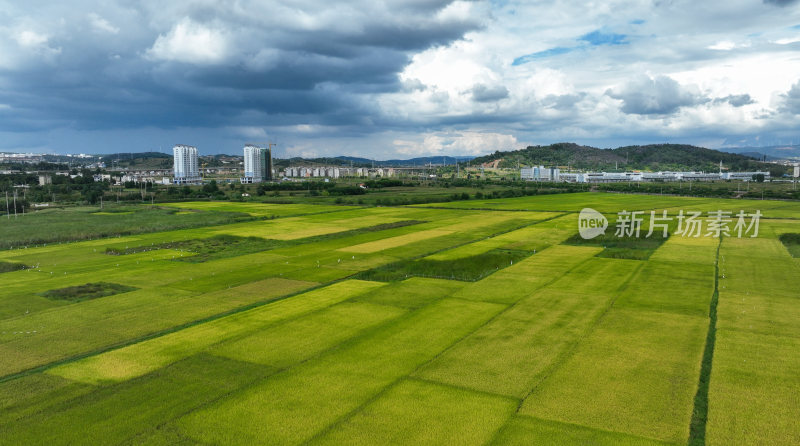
x,y
217,247
145,357
87,291
123,412
636,373
226,245
294,406
289,343
99,324
628,247
412,293
524,430
469,269
684,288
394,242
226,342
792,243
7,267
513,352
71,224
524,277
417,412
752,396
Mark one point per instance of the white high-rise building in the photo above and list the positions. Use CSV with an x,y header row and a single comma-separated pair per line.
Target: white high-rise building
x,y
257,164
185,167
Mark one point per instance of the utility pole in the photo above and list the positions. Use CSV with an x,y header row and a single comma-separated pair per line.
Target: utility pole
x,y
8,209
15,204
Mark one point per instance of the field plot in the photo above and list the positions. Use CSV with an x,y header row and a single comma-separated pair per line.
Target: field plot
x,y
294,406
636,374
469,322
144,357
394,242
755,378
256,209
575,202
415,412
511,353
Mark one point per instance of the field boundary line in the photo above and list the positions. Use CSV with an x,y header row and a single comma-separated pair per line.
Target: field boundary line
x,y
582,426
697,426
462,388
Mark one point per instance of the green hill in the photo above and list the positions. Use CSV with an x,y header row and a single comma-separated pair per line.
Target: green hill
x,y
652,157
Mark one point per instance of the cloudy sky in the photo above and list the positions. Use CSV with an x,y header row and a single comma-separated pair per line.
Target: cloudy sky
x,y
385,79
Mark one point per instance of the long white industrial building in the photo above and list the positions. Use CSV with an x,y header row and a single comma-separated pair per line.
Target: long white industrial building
x,y
553,174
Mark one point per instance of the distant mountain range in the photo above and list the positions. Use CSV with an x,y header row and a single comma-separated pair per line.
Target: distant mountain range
x,y
784,152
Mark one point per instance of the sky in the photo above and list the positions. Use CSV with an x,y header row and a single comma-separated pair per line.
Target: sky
x,y
395,79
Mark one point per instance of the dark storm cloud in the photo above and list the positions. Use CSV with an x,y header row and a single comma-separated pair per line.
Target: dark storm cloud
x,y
483,93
131,65
564,101
736,100
780,2
661,95
791,100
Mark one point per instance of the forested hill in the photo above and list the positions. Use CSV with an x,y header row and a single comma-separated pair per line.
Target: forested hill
x,y
650,157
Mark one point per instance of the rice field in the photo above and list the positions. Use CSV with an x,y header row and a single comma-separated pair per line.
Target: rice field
x,y
319,324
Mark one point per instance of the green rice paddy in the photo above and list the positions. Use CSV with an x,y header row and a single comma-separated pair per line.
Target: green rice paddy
x,y
474,322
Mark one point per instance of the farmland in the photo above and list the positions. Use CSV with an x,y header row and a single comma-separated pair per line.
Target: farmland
x,y
469,322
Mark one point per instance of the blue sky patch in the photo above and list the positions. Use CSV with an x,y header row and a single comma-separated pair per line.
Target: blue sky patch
x,y
542,54
598,38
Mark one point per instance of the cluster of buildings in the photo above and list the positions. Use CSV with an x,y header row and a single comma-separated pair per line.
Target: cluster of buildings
x,y
257,164
554,174
258,167
336,172
540,173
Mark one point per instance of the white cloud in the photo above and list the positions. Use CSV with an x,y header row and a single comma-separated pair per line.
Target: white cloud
x,y
31,39
250,131
455,143
788,40
102,25
723,45
191,42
